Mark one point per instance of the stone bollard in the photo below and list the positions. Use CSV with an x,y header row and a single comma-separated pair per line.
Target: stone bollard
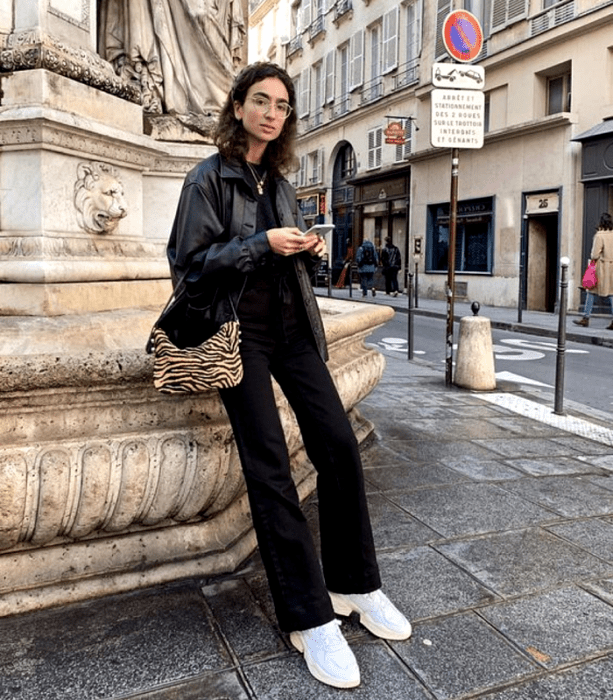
x,y
475,357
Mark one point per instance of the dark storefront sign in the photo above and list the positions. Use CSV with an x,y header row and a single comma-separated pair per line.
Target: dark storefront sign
x,y
474,243
313,207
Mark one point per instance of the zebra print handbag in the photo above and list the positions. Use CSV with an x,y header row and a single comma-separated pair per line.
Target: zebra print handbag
x,y
214,363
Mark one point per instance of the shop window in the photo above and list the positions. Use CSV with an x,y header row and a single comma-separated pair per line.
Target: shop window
x,y
474,237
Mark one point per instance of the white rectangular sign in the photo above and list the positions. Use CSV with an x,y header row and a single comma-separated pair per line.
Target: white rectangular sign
x,y
458,76
457,118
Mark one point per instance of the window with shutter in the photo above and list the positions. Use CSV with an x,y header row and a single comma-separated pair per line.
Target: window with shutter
x,y
305,14
304,92
414,30
443,8
320,165
329,90
403,151
375,51
356,49
390,40
375,139
506,12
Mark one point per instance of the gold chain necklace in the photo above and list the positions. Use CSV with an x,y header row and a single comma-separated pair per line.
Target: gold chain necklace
x,y
259,182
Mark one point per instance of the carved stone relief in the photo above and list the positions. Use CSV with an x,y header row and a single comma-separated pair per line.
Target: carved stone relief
x,y
99,198
36,49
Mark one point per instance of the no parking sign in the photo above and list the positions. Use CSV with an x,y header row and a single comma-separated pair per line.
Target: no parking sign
x,y
462,35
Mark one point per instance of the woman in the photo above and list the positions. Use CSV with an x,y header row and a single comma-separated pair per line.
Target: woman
x,y
602,253
238,227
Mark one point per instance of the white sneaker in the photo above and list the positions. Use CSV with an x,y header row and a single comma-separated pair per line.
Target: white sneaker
x,y
327,655
377,613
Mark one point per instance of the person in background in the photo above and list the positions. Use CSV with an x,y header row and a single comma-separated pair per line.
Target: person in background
x,y
391,262
602,253
367,260
238,228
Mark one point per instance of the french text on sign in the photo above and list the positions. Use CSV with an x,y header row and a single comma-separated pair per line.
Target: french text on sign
x,y
457,118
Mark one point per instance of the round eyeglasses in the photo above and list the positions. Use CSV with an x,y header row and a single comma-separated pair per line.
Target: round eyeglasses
x,y
265,106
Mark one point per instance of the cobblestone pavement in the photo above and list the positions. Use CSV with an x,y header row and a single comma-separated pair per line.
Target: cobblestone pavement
x,y
493,520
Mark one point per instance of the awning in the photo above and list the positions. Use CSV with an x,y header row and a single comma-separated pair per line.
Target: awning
x,y
605,128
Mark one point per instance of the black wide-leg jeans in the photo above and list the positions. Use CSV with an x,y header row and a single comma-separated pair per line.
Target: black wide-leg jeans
x,y
298,582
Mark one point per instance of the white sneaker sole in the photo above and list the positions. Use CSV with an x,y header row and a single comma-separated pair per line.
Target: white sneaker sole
x,y
345,608
318,672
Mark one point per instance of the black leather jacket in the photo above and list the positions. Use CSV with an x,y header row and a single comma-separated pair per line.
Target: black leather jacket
x,y
213,240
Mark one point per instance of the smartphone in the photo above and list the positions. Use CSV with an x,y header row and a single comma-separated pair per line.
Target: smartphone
x,y
320,229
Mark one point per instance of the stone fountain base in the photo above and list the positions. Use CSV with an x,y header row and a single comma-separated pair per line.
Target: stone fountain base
x,y
109,486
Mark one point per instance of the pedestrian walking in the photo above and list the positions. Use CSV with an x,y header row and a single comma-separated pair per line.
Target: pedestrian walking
x,y
238,228
367,261
602,253
391,262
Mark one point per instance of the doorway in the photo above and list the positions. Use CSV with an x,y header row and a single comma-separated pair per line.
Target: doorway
x,y
541,262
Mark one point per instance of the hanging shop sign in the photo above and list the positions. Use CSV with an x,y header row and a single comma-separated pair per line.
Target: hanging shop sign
x,y
395,134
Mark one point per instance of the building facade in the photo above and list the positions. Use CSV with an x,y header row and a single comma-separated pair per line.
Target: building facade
x,y
533,193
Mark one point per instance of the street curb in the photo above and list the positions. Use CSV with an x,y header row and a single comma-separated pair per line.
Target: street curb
x,y
513,326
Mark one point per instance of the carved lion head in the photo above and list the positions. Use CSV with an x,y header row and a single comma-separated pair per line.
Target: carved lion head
x,y
99,197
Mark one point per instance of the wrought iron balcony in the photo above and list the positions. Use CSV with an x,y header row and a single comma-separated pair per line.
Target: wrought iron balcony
x,y
372,91
317,27
342,7
341,106
408,74
295,44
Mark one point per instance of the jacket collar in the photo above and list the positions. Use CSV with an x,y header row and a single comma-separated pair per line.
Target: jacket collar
x,y
233,169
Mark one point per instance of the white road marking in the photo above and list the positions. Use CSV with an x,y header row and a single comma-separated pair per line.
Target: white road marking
x,y
545,414
517,378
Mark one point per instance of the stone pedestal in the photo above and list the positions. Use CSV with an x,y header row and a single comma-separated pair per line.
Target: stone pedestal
x,y
87,207
108,486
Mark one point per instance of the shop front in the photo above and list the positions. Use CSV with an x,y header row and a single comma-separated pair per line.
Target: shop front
x,y
381,211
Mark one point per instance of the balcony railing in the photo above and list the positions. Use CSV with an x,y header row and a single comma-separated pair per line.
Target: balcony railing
x,y
317,27
342,7
312,121
408,74
554,16
341,107
372,91
295,44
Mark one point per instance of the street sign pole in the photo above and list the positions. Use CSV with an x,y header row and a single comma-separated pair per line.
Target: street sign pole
x,y
453,220
457,108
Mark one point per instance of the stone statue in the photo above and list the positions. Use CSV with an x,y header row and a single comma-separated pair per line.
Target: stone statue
x,y
182,54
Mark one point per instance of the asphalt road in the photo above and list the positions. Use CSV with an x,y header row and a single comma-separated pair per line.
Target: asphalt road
x,y
521,358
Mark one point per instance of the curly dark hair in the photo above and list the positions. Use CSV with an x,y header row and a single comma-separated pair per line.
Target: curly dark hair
x,y
606,222
230,136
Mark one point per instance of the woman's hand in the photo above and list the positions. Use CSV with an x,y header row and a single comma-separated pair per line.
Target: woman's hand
x,y
289,241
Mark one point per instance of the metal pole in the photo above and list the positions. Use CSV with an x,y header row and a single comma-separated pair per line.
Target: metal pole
x,y
410,320
416,283
559,397
453,208
522,263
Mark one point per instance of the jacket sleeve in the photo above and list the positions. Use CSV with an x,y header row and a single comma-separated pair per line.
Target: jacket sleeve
x,y
201,245
597,247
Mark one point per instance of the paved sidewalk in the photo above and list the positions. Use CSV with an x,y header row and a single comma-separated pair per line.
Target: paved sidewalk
x,y
494,525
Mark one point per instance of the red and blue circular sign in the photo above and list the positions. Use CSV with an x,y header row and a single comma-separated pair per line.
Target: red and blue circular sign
x,y
462,35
